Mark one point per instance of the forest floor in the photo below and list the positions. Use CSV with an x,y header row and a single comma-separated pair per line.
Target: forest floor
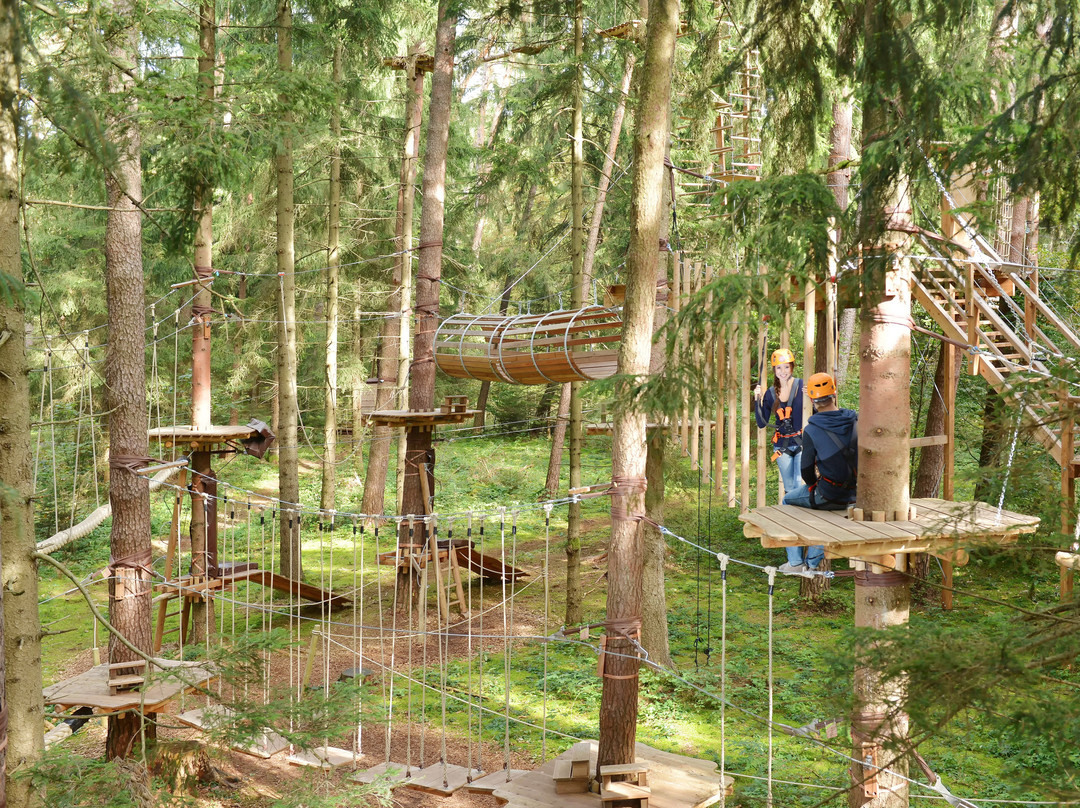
x,y
555,683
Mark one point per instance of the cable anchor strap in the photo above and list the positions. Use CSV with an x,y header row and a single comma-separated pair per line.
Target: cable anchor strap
x,y
128,572
132,463
627,628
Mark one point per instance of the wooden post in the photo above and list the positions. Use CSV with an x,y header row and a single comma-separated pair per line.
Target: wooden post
x,y
733,401
809,335
762,440
1068,482
972,313
710,372
170,558
947,485
684,426
744,401
721,383
695,422
830,302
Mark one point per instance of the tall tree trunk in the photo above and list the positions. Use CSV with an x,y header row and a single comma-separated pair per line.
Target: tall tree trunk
x,y
574,596
932,458
203,510
882,601
618,705
291,564
839,179
20,688
480,141
125,378
485,385
333,259
238,342
393,342
609,164
419,453
932,463
558,443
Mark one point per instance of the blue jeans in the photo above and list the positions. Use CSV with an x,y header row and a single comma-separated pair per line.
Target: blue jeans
x,y
810,556
788,466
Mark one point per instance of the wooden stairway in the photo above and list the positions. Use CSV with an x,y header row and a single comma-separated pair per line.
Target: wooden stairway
x,y
970,302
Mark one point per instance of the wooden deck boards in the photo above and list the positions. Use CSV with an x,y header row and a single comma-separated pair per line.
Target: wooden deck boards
x,y
938,525
676,781
91,689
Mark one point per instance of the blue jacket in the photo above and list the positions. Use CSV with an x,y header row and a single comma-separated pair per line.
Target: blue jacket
x,y
825,469
787,434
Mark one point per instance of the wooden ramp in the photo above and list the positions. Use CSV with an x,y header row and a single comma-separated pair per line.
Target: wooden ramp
x,y
489,567
280,583
676,781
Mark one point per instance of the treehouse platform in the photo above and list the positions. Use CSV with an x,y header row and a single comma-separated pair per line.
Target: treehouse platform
x,y
936,526
169,680
455,410
252,438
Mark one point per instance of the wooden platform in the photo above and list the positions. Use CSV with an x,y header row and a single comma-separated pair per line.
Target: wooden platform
x,y
321,757
489,782
396,773
206,437
426,419
91,689
266,745
280,583
940,527
676,781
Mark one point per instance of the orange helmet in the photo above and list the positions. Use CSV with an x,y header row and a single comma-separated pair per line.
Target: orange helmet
x,y
782,356
820,385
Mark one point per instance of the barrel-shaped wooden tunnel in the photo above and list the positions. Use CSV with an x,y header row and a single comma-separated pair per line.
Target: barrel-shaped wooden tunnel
x,y
559,346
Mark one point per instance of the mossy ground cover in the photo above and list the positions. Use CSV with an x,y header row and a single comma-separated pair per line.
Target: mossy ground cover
x,y
554,684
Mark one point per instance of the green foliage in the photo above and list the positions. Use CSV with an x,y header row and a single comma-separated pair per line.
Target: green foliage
x,y
67,780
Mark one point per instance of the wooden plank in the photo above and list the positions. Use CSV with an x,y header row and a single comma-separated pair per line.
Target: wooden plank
x,y
441,778
489,782
928,440
395,773
322,757
91,688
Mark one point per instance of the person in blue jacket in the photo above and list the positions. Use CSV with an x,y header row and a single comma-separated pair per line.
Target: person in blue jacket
x,y
784,400
829,465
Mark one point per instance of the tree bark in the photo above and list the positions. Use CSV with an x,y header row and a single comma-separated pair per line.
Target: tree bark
x,y
20,682
558,443
485,385
333,260
932,458
839,179
131,582
575,426
618,705
609,164
291,563
884,379
393,343
203,511
420,455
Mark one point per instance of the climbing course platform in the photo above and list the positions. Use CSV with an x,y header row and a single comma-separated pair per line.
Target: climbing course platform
x,y
935,526
91,689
